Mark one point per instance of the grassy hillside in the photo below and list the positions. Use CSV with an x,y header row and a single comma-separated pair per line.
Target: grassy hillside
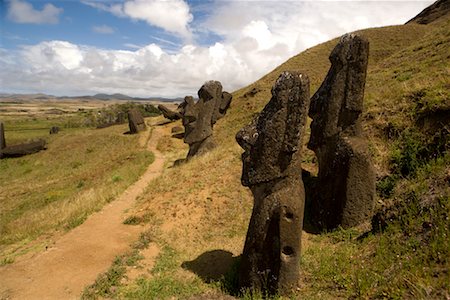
x,y
82,169
199,211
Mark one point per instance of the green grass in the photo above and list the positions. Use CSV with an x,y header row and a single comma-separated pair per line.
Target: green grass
x,y
58,188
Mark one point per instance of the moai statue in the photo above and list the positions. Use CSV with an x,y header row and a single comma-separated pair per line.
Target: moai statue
x,y
135,121
199,117
346,182
272,170
169,114
2,137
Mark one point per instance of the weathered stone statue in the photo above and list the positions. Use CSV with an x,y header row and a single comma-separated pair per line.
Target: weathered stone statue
x,y
2,137
169,114
199,117
346,181
135,121
272,170
54,130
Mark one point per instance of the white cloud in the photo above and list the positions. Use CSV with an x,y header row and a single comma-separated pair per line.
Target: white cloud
x,y
255,39
23,12
171,15
103,29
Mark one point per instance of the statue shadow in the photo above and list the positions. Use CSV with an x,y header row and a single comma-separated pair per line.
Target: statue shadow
x,y
214,266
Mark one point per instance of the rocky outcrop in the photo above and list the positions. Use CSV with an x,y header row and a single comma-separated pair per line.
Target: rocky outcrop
x,y
169,114
199,117
346,181
135,121
435,11
271,169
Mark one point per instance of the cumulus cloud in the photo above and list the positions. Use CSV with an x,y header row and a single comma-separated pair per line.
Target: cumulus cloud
x,y
254,40
103,29
171,15
23,12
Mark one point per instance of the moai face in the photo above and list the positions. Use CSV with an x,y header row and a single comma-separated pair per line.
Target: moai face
x,y
271,139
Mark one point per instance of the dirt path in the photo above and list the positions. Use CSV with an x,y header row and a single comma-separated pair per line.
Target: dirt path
x,y
75,260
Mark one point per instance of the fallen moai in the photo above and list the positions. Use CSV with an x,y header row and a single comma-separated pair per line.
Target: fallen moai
x,y
346,181
199,117
19,149
169,114
272,170
135,121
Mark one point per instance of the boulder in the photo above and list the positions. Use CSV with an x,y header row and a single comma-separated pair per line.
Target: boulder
x,y
199,117
22,149
346,181
272,170
135,121
54,130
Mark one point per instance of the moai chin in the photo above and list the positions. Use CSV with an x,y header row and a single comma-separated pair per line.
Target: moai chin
x,y
199,117
272,170
346,182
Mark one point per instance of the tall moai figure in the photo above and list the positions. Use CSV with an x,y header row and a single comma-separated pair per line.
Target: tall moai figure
x,y
2,137
346,182
272,171
199,117
135,121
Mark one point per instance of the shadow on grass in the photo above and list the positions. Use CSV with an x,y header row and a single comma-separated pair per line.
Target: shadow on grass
x,y
217,266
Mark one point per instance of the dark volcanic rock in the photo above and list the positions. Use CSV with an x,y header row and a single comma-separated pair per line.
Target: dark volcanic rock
x,y
346,176
433,12
135,121
22,149
271,169
199,117
169,114
54,130
2,137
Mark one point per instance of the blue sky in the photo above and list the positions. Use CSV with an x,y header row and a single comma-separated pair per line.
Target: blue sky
x,y
168,48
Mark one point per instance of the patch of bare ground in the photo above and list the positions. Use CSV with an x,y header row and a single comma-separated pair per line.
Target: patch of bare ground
x,y
76,258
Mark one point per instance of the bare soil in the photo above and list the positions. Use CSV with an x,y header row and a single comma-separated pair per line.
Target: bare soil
x,y
76,258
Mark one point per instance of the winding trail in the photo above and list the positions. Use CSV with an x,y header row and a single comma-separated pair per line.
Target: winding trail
x,y
76,259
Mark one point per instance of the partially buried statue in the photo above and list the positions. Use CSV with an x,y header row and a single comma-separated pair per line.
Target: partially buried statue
x,y
272,170
346,182
136,121
199,117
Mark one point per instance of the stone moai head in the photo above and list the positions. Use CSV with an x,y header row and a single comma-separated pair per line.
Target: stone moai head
x,y
199,117
336,106
270,140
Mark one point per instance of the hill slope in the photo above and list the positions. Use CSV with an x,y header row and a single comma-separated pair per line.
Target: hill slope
x,y
199,211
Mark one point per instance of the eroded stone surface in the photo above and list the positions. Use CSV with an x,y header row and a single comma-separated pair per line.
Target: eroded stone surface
x,y
199,117
271,169
2,137
346,182
169,114
135,121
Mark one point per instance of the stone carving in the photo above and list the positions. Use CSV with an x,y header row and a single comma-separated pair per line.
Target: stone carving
x,y
2,137
135,121
199,117
19,149
346,181
272,170
169,114
54,130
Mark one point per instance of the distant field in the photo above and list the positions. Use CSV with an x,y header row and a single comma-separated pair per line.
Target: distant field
x,y
56,189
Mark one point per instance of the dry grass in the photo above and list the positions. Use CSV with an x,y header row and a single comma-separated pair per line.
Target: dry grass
x,y
81,170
